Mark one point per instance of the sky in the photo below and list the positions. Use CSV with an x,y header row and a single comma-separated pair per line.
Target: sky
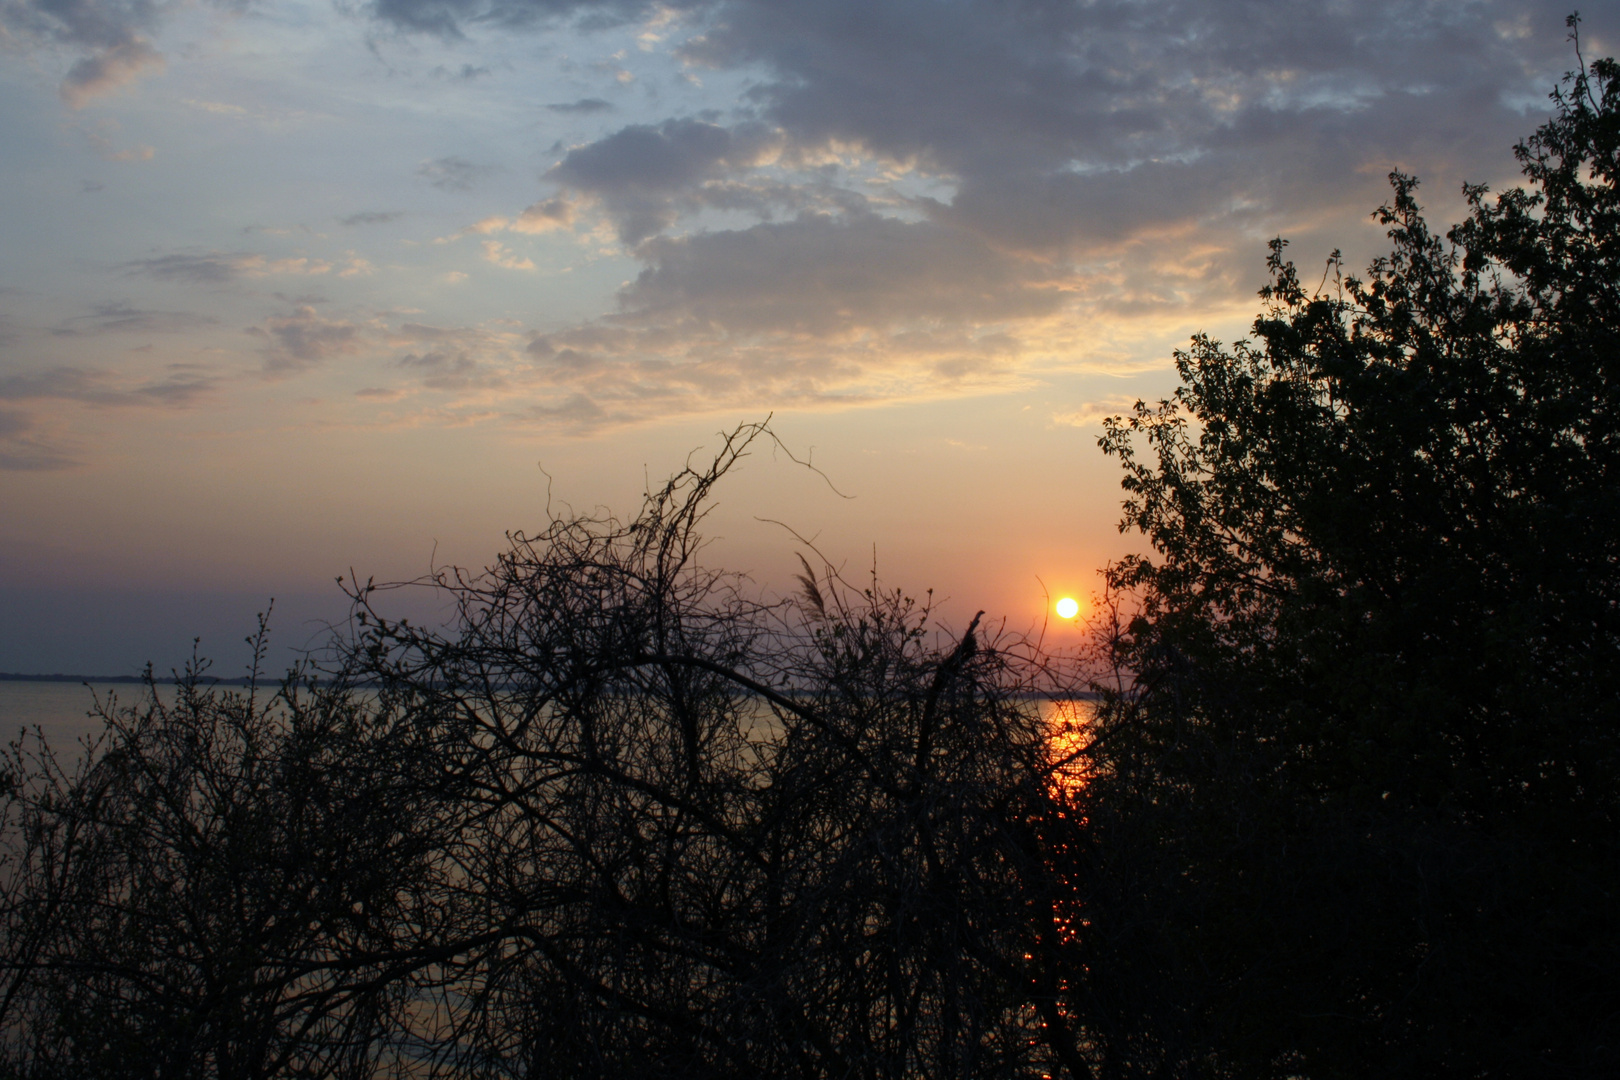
x,y
294,289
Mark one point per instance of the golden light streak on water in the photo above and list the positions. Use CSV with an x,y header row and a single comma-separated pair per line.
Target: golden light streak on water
x,y
1070,732
1068,736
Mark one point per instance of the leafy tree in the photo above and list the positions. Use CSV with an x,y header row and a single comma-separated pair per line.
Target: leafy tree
x,y
1369,765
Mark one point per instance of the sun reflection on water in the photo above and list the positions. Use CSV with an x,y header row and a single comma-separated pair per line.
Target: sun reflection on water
x,y
1068,737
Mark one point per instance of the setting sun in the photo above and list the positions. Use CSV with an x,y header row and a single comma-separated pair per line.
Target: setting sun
x,y
1068,607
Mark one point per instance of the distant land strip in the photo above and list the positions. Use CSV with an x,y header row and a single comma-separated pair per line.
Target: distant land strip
x,y
243,680
207,680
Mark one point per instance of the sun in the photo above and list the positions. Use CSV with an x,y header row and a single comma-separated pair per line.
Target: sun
x,y
1068,607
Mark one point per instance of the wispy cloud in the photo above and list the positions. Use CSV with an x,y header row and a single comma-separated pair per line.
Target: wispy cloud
x,y
644,175
296,342
505,257
122,318
450,369
545,216
33,434
453,173
109,68
106,137
371,217
24,447
829,275
451,18
219,268
108,388
582,106
816,312
1093,413
465,73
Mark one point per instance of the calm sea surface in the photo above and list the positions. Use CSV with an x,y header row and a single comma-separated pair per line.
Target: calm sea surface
x,y
59,709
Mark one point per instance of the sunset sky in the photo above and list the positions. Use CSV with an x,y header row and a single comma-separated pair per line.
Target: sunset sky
x,y
294,286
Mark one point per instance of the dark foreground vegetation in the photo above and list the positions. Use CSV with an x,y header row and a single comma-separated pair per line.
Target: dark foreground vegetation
x,y
1349,804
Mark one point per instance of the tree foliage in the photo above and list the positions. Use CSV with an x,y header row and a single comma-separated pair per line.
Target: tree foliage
x,y
1378,649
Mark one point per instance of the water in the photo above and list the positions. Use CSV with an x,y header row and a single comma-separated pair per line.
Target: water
x,y
59,709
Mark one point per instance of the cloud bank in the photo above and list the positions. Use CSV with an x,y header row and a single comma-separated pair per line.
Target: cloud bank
x,y
874,200
912,197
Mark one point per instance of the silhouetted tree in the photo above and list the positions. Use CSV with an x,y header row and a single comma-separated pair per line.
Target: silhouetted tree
x,y
622,817
228,884
1358,814
706,835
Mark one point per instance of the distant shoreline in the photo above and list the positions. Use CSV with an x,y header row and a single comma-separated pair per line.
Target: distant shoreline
x,y
242,680
10,676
